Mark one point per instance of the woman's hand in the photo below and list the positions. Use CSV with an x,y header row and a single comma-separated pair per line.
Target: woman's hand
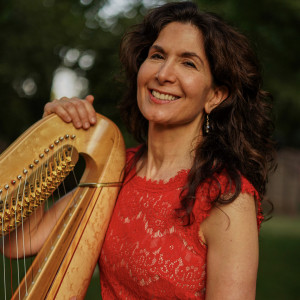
x,y
78,111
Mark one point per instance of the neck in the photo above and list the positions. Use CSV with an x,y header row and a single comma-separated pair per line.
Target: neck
x,y
170,149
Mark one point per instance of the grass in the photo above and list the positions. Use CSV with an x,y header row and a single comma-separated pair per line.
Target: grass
x,y
279,269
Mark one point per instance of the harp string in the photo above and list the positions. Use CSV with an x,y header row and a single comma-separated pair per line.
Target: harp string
x,y
23,238
34,191
10,264
15,203
2,221
30,246
51,198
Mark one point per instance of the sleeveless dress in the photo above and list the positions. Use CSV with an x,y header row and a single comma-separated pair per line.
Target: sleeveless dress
x,y
147,253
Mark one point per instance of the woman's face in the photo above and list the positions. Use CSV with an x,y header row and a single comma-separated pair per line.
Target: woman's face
x,y
174,82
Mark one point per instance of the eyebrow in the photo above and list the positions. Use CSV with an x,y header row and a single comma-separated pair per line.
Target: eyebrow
x,y
186,54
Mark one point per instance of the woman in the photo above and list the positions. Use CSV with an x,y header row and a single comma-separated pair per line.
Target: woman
x,y
186,221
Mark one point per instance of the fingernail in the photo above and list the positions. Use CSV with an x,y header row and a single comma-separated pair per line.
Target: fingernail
x,y
93,120
78,124
86,125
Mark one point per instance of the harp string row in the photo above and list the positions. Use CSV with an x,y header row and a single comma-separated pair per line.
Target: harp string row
x,y
31,193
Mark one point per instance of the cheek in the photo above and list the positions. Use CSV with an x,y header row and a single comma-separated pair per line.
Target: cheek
x,y
140,85
196,85
139,92
199,89
142,75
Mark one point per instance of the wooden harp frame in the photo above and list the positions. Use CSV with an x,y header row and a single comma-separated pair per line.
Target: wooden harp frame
x,y
64,266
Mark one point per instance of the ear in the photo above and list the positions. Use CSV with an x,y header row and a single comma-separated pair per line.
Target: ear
x,y
220,94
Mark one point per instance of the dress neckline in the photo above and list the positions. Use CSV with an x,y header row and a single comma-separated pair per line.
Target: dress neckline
x,y
177,181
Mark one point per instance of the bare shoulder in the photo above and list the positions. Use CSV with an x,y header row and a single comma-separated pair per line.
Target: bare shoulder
x,y
228,218
231,235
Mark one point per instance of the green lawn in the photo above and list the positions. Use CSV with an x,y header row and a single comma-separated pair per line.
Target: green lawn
x,y
279,269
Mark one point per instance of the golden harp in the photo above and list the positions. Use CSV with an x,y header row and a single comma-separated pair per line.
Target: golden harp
x,y
31,169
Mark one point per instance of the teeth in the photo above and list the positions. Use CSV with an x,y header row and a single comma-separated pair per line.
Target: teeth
x,y
163,96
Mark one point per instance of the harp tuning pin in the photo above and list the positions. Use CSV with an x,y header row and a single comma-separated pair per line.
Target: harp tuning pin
x,y
67,136
51,146
61,138
41,155
13,182
6,186
19,177
25,171
36,161
73,136
31,166
56,142
46,150
0,191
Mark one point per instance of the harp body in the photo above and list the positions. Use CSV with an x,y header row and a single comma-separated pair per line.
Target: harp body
x,y
31,168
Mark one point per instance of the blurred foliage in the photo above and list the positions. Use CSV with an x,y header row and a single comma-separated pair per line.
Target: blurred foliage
x,y
272,26
36,34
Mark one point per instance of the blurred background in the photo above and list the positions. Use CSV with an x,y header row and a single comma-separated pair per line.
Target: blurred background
x,y
52,48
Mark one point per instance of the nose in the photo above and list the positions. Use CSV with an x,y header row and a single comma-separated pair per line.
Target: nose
x,y
166,73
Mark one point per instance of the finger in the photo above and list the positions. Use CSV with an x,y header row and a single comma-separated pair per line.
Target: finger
x,y
76,110
90,109
56,107
47,109
90,98
85,111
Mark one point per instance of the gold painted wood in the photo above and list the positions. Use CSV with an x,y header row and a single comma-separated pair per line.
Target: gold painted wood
x,y
66,262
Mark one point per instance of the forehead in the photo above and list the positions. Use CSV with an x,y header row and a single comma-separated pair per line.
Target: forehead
x,y
184,36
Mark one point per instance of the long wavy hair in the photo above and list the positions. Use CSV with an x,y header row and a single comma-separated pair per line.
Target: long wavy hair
x,y
239,140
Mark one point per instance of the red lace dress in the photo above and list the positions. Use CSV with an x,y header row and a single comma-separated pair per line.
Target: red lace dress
x,y
147,253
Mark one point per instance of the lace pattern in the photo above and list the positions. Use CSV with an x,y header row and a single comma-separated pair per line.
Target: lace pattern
x,y
147,253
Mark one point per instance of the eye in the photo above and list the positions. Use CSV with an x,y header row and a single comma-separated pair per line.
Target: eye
x,y
156,56
190,64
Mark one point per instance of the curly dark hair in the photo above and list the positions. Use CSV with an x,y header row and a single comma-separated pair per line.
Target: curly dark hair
x,y
239,140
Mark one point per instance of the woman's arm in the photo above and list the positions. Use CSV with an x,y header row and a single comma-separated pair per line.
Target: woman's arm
x,y
36,230
231,235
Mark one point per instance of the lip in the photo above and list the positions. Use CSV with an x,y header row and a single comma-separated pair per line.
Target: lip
x,y
159,101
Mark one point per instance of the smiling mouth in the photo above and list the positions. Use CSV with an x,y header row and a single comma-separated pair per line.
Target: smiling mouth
x,y
166,97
